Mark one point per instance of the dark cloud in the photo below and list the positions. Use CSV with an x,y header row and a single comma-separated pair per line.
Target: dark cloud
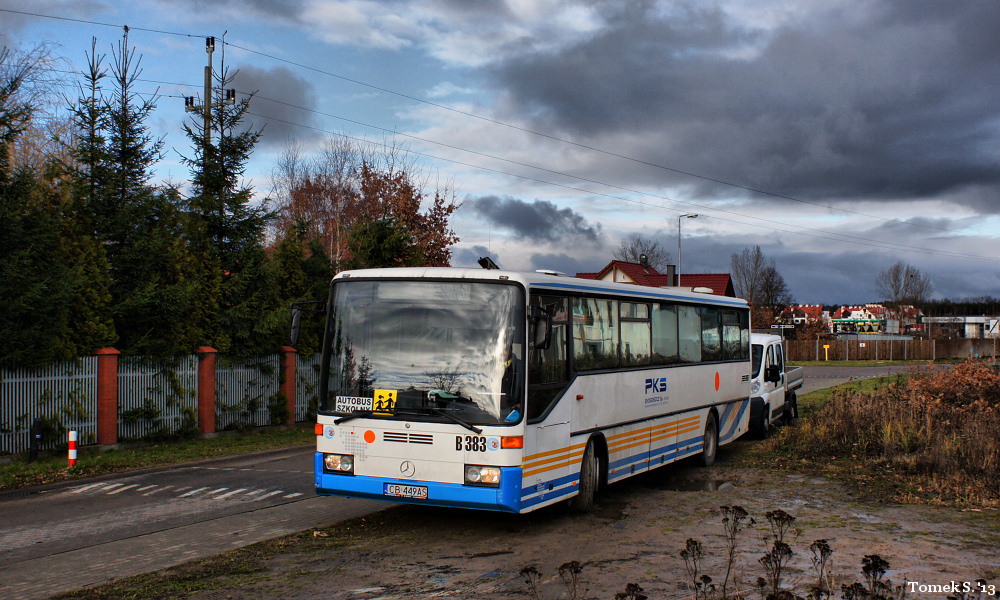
x,y
284,9
885,99
292,90
539,221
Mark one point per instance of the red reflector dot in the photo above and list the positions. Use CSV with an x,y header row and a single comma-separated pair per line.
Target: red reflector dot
x,y
369,436
716,381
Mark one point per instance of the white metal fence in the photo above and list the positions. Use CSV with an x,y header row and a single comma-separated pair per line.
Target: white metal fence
x,y
306,386
153,398
246,392
64,396
156,398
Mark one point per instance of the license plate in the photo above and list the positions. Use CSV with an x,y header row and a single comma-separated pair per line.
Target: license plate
x,y
404,491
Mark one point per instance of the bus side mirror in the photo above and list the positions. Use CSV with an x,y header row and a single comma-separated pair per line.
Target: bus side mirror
x,y
541,331
772,374
293,334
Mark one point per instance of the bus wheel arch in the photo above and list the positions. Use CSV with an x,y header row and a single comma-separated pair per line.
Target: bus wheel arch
x,y
710,438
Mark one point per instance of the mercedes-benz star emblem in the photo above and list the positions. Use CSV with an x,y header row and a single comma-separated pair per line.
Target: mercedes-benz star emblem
x,y
407,468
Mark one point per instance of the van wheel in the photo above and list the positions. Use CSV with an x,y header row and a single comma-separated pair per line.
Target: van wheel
x,y
710,440
584,500
791,409
764,424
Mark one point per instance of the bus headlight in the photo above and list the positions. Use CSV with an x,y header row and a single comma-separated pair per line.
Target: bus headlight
x,y
755,387
482,475
339,463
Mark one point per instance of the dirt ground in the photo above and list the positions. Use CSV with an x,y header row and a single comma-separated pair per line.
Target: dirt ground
x,y
635,536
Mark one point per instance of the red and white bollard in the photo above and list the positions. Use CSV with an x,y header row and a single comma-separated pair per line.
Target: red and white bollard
x,y
72,448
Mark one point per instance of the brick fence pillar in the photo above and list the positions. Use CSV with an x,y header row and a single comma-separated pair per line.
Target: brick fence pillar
x,y
107,395
288,361
206,388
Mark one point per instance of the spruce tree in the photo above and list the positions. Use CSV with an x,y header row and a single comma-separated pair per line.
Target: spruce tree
x,y
232,227
53,277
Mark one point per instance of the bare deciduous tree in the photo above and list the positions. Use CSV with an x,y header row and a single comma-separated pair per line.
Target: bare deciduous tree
x,y
774,291
903,284
747,270
632,248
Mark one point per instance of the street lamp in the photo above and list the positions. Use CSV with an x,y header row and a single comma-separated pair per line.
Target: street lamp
x,y
685,216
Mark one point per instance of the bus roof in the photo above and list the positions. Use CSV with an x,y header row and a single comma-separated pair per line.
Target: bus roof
x,y
548,282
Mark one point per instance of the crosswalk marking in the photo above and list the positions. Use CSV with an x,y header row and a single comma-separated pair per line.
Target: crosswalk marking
x,y
222,493
230,494
80,490
162,489
274,493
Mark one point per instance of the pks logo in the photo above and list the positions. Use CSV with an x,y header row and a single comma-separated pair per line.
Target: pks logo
x,y
658,385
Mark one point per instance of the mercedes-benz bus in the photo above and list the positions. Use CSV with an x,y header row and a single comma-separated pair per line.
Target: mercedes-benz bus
x,y
497,390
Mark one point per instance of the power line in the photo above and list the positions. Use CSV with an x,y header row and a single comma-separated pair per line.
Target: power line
x,y
771,226
593,181
547,136
87,22
585,146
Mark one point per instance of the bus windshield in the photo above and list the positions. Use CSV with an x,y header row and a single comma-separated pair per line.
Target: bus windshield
x,y
447,351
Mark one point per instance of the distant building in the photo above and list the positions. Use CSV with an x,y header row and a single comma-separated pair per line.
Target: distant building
x,y
967,327
802,314
875,318
619,271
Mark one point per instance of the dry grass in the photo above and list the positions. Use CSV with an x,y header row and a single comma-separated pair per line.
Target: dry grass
x,y
937,432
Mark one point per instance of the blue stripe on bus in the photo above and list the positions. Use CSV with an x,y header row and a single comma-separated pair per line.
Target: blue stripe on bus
x,y
710,300
506,498
743,405
561,486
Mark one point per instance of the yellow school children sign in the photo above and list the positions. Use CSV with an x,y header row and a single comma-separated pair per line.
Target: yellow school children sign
x,y
384,402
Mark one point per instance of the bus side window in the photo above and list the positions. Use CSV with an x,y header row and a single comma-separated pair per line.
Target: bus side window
x,y
731,337
635,334
548,369
595,334
711,339
664,334
689,333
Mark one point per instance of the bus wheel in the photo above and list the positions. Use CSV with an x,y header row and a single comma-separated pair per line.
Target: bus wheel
x,y
584,500
710,440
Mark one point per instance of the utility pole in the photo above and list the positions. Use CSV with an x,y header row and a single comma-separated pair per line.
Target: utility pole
x,y
209,47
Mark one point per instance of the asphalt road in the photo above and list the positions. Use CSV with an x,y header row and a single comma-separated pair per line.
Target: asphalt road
x,y
70,536
66,537
817,378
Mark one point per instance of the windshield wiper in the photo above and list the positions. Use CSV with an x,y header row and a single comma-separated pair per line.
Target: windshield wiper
x,y
465,424
448,416
354,415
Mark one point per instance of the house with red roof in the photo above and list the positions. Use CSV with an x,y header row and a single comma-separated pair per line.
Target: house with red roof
x,y
619,271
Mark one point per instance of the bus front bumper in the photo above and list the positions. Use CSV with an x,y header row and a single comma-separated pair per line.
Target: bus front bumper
x,y
506,498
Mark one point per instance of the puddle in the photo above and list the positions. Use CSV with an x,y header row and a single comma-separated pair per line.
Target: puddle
x,y
610,507
695,485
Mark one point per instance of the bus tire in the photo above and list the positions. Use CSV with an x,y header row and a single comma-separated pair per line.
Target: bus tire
x,y
791,409
710,440
589,473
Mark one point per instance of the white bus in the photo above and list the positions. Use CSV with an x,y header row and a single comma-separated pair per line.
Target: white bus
x,y
507,391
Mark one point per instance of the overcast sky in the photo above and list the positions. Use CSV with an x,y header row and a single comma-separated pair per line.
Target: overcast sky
x,y
839,136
